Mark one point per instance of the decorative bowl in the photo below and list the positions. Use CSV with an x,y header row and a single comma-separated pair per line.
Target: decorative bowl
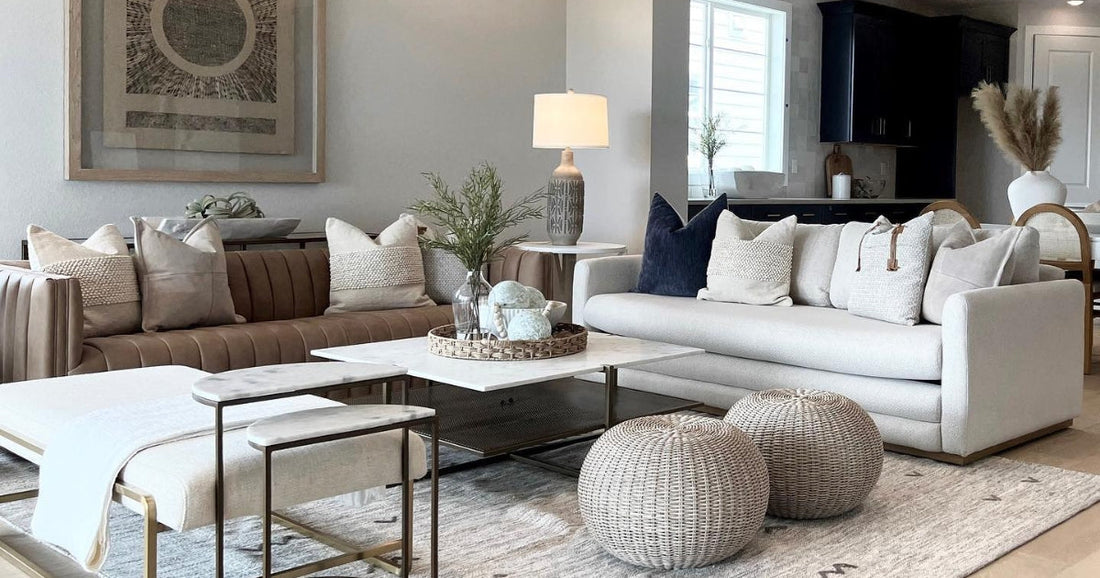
x,y
231,229
557,313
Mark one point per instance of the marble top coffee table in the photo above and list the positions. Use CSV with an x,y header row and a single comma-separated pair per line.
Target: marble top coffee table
x,y
496,408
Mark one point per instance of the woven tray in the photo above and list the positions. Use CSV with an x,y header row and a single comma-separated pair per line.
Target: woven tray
x,y
566,339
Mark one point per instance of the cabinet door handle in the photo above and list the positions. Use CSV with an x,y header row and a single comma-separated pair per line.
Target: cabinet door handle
x,y
883,127
772,216
909,131
808,215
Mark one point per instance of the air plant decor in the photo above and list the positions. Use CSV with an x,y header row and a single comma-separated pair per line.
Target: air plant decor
x,y
709,143
475,220
1028,134
239,205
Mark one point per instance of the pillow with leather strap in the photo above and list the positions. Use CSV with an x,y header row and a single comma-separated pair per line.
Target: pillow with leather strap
x,y
892,271
749,268
105,269
963,263
183,282
374,274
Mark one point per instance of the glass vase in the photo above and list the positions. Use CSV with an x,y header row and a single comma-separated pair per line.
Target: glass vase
x,y
471,307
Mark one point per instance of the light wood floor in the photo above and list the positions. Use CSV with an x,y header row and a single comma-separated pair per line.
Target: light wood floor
x,y
1071,549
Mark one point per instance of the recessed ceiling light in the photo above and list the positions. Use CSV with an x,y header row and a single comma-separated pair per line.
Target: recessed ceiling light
x,y
1075,2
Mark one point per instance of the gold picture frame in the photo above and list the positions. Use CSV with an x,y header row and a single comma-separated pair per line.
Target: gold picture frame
x,y
84,144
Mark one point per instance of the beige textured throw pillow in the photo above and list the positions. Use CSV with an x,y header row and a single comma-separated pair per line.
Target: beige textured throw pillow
x,y
815,251
373,274
105,269
183,282
892,270
748,268
962,263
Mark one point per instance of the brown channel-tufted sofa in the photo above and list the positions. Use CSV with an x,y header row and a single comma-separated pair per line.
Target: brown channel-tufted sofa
x,y
281,294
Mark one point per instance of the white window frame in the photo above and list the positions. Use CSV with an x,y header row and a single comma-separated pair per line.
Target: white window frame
x,y
777,126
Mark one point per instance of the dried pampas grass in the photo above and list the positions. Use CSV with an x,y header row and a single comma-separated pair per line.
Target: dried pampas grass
x,y
1021,131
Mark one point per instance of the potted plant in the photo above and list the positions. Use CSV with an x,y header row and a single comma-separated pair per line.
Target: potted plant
x,y
1028,134
710,142
473,218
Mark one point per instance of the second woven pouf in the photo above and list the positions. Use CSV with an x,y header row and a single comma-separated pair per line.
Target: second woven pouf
x,y
823,451
673,491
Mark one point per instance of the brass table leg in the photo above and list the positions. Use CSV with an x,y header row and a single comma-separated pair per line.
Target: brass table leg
x,y
219,496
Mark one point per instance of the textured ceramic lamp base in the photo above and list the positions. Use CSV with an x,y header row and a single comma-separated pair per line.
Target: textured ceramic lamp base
x,y
565,202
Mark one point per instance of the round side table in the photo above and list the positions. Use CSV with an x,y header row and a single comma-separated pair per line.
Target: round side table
x,y
565,259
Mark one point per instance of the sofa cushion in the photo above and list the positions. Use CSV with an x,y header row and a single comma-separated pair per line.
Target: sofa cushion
x,y
183,282
105,269
893,270
228,347
815,248
365,274
747,267
804,336
847,258
674,260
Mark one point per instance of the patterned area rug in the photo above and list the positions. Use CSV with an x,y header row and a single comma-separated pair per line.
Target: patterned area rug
x,y
507,520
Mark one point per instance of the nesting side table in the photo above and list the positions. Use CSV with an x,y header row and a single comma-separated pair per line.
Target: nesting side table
x,y
565,260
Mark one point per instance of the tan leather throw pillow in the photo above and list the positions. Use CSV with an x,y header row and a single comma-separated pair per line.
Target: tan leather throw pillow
x,y
105,269
183,283
373,274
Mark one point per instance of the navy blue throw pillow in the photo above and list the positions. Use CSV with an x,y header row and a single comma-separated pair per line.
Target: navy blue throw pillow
x,y
675,258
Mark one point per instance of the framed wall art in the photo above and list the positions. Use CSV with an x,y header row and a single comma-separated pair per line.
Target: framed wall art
x,y
196,90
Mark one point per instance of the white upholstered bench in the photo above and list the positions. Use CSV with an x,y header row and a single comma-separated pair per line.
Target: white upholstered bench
x,y
172,485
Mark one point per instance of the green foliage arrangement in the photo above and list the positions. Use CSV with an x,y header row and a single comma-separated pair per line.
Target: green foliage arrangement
x,y
710,142
474,216
239,205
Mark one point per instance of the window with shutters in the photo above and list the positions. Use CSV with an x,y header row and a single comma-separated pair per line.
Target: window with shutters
x,y
738,69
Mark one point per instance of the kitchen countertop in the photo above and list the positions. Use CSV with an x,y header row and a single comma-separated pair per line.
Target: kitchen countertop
x,y
816,201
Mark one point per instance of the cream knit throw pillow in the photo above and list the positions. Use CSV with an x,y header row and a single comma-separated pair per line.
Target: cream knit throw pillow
x,y
374,274
892,270
748,268
105,269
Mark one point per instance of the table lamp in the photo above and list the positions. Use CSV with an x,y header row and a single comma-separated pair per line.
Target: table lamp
x,y
568,121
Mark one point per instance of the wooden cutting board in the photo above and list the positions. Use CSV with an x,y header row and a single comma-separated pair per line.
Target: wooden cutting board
x,y
837,163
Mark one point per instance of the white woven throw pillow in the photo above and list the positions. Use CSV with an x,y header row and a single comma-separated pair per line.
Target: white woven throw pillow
x,y
374,274
748,268
105,269
892,271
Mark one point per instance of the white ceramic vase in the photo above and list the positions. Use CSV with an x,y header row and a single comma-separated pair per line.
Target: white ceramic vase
x,y
1033,188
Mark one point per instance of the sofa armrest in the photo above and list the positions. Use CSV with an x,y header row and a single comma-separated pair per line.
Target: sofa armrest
x,y
603,275
1011,362
41,324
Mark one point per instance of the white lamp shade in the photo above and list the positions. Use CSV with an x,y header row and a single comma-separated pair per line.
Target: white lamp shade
x,y
570,120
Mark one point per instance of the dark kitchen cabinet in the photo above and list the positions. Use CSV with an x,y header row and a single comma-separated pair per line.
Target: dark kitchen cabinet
x,y
968,51
983,51
869,73
836,212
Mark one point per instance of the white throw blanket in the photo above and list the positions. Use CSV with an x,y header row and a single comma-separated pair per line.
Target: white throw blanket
x,y
82,461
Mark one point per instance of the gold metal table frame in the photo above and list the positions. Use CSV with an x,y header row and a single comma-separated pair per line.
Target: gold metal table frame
x,y
123,491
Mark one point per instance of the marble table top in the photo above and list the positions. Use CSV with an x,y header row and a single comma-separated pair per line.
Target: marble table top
x,y
325,421
496,375
581,248
254,382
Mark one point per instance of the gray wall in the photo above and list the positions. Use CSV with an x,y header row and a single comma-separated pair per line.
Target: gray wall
x,y
413,86
609,50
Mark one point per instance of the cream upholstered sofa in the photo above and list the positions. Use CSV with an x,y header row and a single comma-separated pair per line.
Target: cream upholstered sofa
x,y
1004,367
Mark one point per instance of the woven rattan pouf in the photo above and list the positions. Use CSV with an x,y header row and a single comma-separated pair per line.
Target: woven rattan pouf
x,y
823,451
673,491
